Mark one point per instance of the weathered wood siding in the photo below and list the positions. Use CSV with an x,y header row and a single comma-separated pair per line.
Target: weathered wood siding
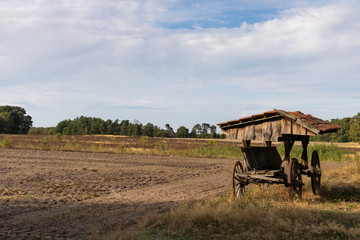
x,y
267,131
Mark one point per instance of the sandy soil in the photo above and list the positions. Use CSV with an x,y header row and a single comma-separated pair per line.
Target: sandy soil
x,y
70,195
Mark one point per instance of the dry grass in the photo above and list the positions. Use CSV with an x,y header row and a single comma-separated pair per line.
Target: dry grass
x,y
354,145
265,212
128,145
162,146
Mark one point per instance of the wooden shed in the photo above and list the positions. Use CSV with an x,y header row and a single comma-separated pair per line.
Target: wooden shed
x,y
273,125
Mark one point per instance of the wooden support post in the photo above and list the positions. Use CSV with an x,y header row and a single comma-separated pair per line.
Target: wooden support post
x,y
246,143
289,141
305,143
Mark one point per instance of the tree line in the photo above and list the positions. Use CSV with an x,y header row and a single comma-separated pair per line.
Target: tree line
x,y
91,125
14,120
349,132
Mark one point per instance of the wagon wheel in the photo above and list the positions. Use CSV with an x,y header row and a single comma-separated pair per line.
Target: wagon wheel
x,y
316,172
238,184
294,178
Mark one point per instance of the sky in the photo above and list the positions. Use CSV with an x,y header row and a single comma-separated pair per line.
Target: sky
x,y
179,62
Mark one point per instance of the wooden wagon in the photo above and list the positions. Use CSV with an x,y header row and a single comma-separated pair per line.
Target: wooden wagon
x,y
263,164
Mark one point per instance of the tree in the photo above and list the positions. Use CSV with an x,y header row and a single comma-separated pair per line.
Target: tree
x,y
103,127
83,125
158,132
149,130
124,127
213,131
62,125
204,129
3,123
134,129
169,130
197,129
116,127
182,132
14,120
349,130
354,131
66,131
341,135
109,127
95,127
192,134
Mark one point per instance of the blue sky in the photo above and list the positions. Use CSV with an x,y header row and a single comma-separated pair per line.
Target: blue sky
x,y
179,62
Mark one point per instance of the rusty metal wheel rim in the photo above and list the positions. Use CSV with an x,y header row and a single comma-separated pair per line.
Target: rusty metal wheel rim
x,y
316,172
238,185
294,179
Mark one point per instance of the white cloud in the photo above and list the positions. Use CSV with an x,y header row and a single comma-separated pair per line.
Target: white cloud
x,y
86,57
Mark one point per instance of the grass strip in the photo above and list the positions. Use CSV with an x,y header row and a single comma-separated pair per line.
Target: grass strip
x,y
154,146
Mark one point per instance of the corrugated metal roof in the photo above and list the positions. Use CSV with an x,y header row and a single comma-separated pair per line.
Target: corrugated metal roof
x,y
306,120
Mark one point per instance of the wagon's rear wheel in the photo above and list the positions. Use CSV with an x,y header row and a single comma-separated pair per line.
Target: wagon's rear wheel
x,y
294,178
316,172
238,183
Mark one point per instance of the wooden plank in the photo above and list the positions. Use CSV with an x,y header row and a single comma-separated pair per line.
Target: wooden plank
x,y
260,177
241,134
249,132
259,132
276,130
296,129
264,172
285,126
267,131
230,133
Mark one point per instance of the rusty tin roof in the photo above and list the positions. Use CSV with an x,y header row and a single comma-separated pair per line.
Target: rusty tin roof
x,y
308,121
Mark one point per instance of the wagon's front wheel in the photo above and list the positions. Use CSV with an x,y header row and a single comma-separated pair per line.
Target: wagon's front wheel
x,y
238,185
316,172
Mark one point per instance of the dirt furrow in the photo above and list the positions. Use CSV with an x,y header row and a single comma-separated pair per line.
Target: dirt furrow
x,y
66,195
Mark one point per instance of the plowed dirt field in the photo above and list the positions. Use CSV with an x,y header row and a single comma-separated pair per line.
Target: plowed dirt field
x,y
73,195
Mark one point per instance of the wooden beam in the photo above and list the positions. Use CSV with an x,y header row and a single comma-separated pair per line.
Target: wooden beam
x,y
252,122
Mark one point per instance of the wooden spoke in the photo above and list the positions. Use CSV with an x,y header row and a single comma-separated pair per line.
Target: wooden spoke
x,y
316,172
238,184
295,182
